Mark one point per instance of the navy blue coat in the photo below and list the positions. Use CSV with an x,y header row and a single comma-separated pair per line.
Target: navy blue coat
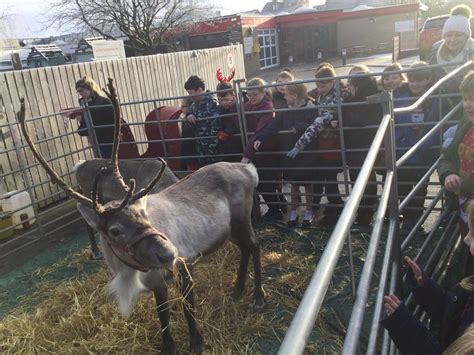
x,y
454,310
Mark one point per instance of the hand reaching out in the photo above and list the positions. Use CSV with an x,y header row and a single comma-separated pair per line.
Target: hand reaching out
x,y
392,303
245,160
416,271
293,153
257,144
452,183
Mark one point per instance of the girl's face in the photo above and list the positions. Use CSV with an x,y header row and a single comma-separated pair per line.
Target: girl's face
x,y
281,88
418,87
455,41
468,105
84,93
291,99
392,81
255,96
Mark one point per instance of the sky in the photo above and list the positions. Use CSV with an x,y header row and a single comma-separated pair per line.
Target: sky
x,y
28,15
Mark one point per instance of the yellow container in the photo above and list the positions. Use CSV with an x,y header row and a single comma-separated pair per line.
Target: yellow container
x,y
6,222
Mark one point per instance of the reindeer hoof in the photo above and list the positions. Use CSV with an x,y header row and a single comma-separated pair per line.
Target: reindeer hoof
x,y
258,300
96,255
237,293
197,348
169,350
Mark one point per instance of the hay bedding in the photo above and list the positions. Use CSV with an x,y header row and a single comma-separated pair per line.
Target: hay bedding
x,y
76,316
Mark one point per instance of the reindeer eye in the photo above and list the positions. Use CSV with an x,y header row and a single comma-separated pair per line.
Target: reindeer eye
x,y
114,231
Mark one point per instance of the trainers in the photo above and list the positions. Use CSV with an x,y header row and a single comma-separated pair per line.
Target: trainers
x,y
274,213
284,203
292,223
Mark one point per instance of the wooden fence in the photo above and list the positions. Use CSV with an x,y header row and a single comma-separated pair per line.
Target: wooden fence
x,y
49,90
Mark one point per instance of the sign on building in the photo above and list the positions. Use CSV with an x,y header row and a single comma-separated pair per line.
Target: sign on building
x,y
106,50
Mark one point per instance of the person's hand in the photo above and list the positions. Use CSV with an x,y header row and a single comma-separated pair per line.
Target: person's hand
x,y
334,123
257,144
417,273
293,130
392,303
452,183
191,118
293,153
245,160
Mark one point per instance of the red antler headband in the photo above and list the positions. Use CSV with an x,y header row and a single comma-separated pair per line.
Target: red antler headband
x,y
224,79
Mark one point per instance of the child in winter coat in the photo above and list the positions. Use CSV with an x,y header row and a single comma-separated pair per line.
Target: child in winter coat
x,y
456,168
392,81
296,96
409,129
260,100
229,142
454,309
323,129
278,96
203,118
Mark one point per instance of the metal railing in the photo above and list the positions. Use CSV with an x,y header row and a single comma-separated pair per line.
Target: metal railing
x,y
308,310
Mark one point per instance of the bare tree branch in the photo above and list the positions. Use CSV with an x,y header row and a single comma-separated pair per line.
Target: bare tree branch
x,y
143,22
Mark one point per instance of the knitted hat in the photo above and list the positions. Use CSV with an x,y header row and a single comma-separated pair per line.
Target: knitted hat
x,y
459,21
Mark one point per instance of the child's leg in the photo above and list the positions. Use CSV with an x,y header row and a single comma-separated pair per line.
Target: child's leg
x,y
295,199
309,214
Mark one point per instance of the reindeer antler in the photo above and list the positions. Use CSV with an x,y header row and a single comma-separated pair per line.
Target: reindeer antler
x,y
150,186
112,95
55,178
225,79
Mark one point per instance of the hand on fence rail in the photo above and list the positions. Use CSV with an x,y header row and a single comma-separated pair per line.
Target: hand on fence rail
x,y
452,183
392,303
417,273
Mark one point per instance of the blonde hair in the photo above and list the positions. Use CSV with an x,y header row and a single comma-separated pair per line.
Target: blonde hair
x,y
359,69
285,75
467,84
464,345
88,83
299,90
256,82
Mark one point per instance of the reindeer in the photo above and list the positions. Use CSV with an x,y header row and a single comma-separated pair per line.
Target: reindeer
x,y
143,235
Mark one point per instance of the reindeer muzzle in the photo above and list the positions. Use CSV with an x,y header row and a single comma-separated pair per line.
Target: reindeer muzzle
x,y
127,252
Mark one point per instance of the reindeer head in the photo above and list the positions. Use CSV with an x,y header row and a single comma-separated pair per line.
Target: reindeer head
x,y
124,224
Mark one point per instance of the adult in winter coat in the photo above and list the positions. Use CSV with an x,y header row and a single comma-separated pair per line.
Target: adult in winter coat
x,y
456,47
103,115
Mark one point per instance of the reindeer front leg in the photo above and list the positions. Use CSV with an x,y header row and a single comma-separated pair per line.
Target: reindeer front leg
x,y
186,282
161,298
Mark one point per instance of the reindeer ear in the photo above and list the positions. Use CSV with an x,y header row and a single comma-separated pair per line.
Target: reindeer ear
x,y
91,217
141,203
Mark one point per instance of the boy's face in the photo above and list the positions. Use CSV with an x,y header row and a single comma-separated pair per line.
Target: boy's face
x,y
392,81
468,105
196,95
418,86
227,101
325,86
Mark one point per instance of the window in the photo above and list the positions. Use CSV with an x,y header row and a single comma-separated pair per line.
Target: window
x,y
268,48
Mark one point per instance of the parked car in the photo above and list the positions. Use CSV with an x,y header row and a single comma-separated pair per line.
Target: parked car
x,y
432,33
